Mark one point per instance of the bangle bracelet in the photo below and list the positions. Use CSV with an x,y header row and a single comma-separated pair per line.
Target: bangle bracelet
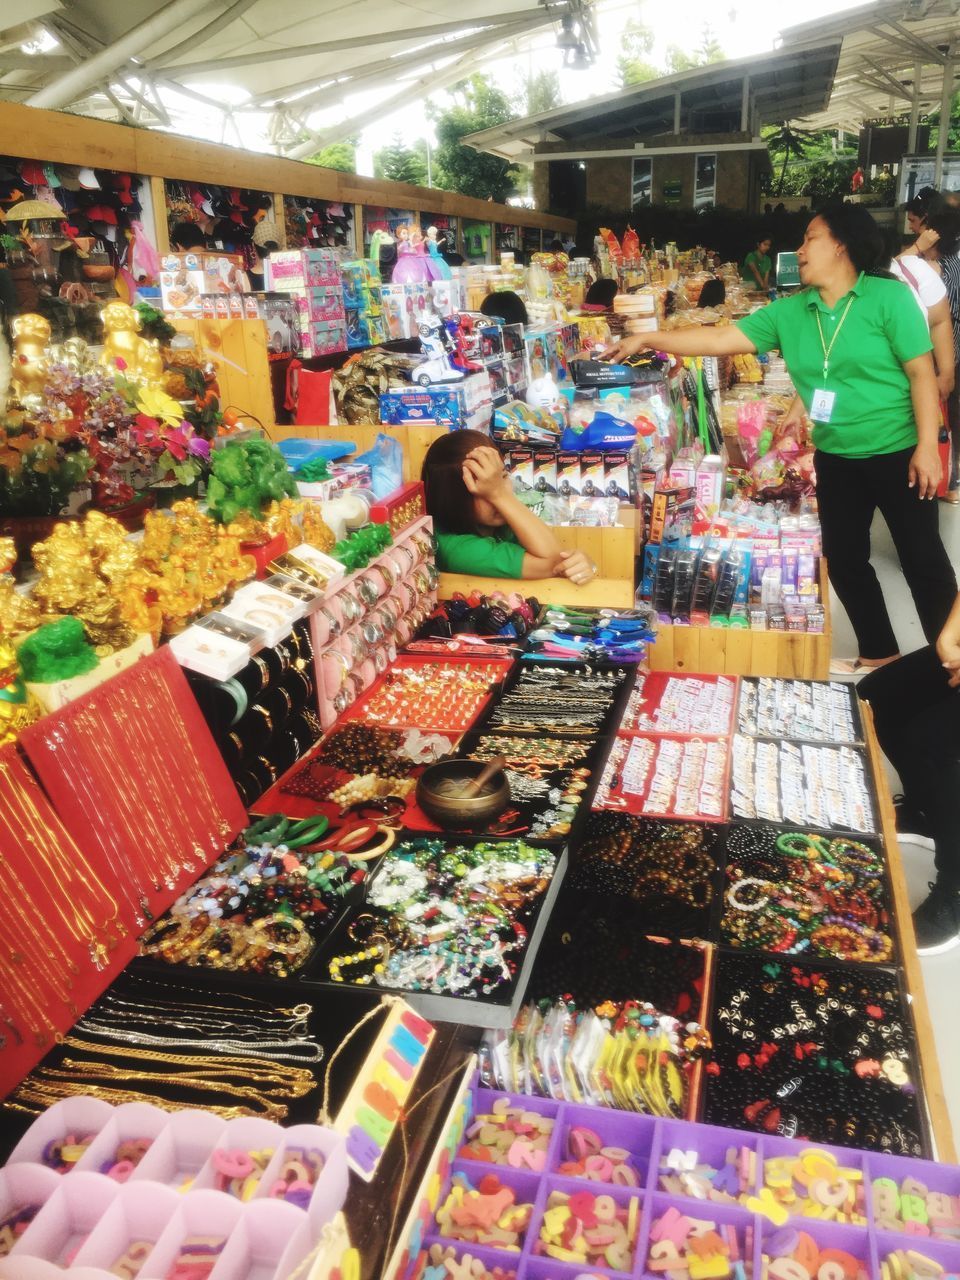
x,y
272,619
267,717
264,670
235,690
276,600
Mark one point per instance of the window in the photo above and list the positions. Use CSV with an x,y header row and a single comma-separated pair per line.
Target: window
x,y
642,192
705,181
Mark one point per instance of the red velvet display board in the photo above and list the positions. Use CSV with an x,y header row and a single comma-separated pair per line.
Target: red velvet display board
x,y
140,795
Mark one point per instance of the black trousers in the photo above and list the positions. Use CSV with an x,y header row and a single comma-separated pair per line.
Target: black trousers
x,y
917,716
849,491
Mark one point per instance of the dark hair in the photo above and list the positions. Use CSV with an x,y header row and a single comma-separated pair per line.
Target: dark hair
x,y
713,293
764,235
602,293
506,305
945,221
851,226
188,235
452,258
556,245
448,499
924,202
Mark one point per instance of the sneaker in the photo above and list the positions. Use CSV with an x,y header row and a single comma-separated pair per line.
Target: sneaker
x,y
936,921
912,826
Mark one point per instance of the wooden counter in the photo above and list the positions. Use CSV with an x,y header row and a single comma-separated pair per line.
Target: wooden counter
x,y
931,1088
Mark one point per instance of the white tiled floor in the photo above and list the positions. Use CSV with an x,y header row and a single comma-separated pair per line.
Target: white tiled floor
x,y
940,973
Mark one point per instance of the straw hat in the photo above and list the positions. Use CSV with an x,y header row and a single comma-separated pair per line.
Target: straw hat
x,y
266,231
28,210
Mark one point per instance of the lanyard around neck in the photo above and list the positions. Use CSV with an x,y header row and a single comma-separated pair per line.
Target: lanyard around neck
x,y
836,334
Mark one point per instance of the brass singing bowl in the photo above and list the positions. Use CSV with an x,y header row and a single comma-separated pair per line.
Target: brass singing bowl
x,y
439,783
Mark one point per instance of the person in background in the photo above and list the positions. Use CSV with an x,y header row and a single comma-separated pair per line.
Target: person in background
x,y
186,237
860,359
918,208
713,293
556,246
601,294
938,243
916,710
506,306
482,527
757,265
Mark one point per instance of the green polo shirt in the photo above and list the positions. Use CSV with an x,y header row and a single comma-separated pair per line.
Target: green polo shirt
x,y
481,557
759,260
872,412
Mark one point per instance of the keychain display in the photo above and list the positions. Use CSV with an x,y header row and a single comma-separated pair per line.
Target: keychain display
x,y
799,710
789,782
668,869
795,891
661,777
595,634
665,703
825,1053
627,1055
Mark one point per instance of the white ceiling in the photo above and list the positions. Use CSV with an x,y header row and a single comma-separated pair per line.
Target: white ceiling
x,y
138,60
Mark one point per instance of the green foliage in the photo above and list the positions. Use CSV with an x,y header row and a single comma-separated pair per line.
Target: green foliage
x,y
478,104
707,51
339,155
399,163
540,92
154,324
636,46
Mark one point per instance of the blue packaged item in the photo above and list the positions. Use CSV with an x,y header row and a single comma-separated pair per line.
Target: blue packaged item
x,y
298,450
603,432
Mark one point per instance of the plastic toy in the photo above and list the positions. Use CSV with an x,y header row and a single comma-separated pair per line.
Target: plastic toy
x,y
411,267
438,366
436,266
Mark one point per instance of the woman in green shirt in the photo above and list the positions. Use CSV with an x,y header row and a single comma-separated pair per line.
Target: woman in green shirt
x,y
858,350
757,265
481,526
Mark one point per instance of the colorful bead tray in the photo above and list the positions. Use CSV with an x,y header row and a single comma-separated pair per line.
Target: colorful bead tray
x,y
183,1197
724,1220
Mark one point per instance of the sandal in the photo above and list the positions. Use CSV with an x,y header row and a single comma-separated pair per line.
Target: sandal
x,y
853,668
951,498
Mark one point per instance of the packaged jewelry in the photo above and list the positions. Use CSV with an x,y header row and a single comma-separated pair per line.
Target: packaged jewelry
x,y
626,1055
666,777
668,870
823,1052
788,782
701,706
792,892
274,612
210,653
800,710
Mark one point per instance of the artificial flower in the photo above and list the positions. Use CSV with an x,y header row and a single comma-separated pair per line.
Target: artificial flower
x,y
157,404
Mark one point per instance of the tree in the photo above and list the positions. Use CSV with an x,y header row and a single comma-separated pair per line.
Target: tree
x,y
540,92
636,46
707,51
790,143
339,155
477,104
400,163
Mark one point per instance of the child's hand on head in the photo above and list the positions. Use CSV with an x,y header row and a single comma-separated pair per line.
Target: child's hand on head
x,y
576,566
483,472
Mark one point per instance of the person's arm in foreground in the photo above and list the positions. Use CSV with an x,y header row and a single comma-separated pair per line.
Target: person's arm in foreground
x,y
941,335
726,340
925,466
948,645
544,558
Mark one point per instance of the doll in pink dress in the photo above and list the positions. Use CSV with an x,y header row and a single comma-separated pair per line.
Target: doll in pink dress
x,y
411,266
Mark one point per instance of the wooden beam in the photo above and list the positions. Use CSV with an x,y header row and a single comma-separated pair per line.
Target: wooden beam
x,y
59,137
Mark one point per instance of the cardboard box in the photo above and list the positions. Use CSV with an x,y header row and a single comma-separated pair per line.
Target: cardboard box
x,y
301,269
282,319
616,475
519,464
181,291
591,473
454,405
545,470
568,474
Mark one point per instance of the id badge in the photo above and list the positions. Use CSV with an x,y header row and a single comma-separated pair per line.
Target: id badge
x,y
821,406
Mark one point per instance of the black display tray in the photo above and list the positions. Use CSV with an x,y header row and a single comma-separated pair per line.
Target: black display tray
x,y
850,691
496,1010
835,1106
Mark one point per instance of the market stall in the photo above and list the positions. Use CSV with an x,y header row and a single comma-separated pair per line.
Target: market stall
x,y
361,918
